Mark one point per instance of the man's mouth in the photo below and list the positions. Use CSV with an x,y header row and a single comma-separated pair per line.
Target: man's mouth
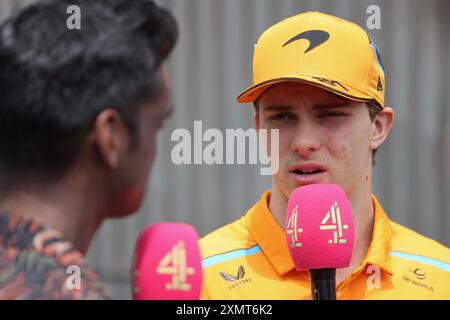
x,y
307,171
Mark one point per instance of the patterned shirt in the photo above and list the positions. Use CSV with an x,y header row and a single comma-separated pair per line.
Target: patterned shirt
x,y
37,263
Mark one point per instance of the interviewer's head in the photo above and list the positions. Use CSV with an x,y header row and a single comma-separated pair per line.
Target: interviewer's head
x,y
87,101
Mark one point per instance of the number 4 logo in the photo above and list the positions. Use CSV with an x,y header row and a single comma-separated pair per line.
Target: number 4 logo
x,y
292,228
174,263
336,224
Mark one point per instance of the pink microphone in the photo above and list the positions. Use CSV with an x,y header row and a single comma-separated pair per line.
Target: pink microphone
x,y
320,234
167,264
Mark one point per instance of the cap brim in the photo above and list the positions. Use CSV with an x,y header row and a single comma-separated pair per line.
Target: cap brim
x,y
342,89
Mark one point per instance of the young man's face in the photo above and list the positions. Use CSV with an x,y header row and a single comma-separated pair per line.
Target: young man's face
x,y
324,138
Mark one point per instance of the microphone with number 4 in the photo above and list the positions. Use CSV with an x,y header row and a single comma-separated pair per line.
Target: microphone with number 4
x,y
320,234
167,263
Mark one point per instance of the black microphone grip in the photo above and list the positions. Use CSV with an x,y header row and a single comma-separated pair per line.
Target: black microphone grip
x,y
323,284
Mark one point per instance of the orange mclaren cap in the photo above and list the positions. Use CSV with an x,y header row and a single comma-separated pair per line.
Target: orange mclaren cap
x,y
322,50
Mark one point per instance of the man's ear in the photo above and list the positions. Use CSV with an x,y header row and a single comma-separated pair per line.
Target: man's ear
x,y
381,126
111,137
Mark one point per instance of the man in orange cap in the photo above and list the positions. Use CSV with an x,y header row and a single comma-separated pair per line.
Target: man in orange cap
x,y
320,81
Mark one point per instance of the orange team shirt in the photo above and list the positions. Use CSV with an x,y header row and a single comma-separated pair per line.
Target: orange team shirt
x,y
249,259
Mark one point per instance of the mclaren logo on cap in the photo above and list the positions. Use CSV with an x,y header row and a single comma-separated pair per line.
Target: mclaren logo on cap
x,y
315,38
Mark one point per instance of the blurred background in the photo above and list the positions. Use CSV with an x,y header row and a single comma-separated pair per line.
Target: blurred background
x,y
210,66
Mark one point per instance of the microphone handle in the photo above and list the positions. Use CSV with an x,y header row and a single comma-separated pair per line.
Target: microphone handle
x,y
323,284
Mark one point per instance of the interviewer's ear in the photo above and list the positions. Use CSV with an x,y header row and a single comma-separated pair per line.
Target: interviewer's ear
x,y
111,136
381,126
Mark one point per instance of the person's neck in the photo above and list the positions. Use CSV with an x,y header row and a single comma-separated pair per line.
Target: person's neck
x,y
70,208
363,213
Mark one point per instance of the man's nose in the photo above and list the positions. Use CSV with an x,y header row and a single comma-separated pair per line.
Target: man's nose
x,y
306,138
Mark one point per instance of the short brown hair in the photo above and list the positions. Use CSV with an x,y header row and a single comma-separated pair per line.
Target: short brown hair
x,y
374,109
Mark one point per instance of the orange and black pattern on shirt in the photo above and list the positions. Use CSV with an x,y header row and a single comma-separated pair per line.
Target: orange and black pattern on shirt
x,y
35,261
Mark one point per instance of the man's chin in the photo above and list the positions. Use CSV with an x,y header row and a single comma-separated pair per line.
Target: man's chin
x,y
128,203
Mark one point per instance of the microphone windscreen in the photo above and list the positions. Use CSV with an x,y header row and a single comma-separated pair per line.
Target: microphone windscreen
x,y
319,227
167,263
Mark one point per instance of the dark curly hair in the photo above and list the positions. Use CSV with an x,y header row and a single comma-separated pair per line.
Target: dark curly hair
x,y
55,81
